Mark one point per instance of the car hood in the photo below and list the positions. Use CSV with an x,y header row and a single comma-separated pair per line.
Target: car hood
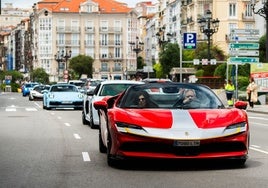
x,y
201,123
63,96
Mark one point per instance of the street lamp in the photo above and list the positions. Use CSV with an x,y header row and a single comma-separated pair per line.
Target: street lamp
x,y
208,26
264,13
63,56
137,47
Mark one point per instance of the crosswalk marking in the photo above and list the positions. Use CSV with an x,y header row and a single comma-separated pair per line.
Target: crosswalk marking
x,y
30,109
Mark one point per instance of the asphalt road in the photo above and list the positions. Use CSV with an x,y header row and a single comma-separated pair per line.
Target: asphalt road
x,y
40,148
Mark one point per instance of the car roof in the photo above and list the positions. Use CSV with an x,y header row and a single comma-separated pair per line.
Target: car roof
x,y
121,82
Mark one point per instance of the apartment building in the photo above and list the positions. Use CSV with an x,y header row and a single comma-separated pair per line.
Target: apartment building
x,y
101,29
106,30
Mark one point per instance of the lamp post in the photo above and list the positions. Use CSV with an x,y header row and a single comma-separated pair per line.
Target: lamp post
x,y
63,56
137,47
208,26
264,13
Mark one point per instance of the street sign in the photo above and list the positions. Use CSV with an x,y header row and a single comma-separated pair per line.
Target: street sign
x,y
244,60
189,40
246,31
196,61
235,38
244,52
252,46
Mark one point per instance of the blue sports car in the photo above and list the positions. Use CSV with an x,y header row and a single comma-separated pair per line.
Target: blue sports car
x,y
26,88
62,96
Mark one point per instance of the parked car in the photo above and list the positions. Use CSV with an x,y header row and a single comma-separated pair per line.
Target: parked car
x,y
62,96
27,87
77,83
37,92
91,84
169,127
106,88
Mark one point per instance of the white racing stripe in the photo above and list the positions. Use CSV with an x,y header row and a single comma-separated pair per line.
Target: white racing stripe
x,y
85,156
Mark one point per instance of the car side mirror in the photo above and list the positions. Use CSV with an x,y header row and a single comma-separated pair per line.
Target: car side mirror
x,y
241,105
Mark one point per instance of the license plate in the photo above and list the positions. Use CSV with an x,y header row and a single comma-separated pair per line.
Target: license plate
x,y
66,102
186,143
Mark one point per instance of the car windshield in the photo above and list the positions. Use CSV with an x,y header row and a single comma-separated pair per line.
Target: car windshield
x,y
170,96
41,88
113,89
64,88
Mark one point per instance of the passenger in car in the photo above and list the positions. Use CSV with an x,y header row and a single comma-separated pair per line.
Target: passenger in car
x,y
144,101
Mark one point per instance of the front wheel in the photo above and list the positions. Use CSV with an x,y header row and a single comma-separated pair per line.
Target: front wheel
x,y
84,121
102,147
91,122
110,160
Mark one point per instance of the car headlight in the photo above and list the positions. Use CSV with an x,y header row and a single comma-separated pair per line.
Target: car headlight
x,y
125,127
50,95
241,126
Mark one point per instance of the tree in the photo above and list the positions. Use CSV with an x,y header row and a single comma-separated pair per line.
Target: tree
x,y
82,64
201,52
40,75
169,57
262,49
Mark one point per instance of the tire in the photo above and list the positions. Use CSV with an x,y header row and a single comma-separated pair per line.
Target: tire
x,y
110,159
91,122
102,147
84,121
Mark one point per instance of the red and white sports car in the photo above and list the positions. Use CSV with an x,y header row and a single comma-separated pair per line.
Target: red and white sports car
x,y
177,121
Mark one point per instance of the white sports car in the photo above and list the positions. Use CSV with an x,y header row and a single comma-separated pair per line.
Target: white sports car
x,y
37,92
106,88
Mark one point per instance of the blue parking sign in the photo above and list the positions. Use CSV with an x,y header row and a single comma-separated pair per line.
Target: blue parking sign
x,y
189,40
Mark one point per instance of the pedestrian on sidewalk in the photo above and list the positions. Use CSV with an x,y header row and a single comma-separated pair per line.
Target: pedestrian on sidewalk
x,y
252,92
229,89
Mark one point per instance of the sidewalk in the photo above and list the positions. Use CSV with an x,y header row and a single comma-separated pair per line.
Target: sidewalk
x,y
259,109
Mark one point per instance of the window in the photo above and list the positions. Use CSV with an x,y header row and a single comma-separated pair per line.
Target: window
x,y
232,10
104,39
248,11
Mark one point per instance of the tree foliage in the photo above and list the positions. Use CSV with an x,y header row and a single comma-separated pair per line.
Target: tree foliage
x,y
40,75
262,48
169,57
82,64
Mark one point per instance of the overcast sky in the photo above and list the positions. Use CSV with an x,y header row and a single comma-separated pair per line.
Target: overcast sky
x,y
29,3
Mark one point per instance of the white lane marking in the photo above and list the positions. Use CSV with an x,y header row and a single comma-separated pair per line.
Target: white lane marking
x,y
37,104
255,146
85,156
59,117
30,109
255,117
11,109
67,124
259,150
77,136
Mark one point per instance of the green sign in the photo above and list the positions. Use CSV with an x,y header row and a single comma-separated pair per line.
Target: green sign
x,y
252,46
244,60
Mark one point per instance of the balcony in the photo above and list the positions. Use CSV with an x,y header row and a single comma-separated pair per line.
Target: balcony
x,y
111,29
111,43
67,29
89,29
111,56
89,43
246,17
